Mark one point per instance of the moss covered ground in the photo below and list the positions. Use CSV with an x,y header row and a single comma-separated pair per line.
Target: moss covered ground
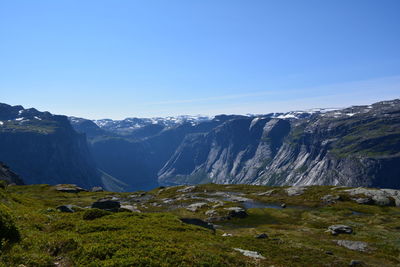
x,y
156,237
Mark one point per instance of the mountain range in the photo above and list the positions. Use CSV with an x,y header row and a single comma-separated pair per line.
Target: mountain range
x,y
355,146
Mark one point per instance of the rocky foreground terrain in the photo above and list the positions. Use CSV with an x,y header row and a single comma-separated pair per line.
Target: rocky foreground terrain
x,y
202,225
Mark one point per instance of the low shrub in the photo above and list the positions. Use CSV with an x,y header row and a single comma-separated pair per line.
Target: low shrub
x,y
8,230
92,214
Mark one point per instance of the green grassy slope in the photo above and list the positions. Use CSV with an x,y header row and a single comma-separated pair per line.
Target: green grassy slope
x,y
156,237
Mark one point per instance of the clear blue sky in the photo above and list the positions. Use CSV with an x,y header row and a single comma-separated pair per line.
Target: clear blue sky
x,y
117,58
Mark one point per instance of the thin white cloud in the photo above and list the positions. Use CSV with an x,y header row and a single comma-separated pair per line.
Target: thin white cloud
x,y
380,84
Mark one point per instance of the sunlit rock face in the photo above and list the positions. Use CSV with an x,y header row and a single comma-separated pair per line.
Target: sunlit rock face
x,y
356,146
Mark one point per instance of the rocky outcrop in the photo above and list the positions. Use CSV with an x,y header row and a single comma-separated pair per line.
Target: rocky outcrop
x,y
353,245
358,146
44,149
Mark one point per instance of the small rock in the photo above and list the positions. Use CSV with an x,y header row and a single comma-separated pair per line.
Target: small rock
x,y
186,189
106,204
218,219
295,190
283,205
329,252
211,213
130,208
226,234
262,236
69,188
267,193
340,229
353,245
237,212
97,189
355,263
167,200
249,253
194,207
330,199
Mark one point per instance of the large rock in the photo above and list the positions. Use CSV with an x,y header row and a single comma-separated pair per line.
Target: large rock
x,y
196,206
340,229
381,197
295,190
251,254
330,199
106,204
186,189
353,245
237,212
69,188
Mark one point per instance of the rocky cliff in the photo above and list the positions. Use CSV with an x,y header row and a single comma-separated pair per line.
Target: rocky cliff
x,y
44,148
358,146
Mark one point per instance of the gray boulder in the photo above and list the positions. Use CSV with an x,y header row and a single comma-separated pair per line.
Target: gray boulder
x,y
129,208
186,189
295,190
196,206
330,199
251,254
69,188
353,245
381,197
340,229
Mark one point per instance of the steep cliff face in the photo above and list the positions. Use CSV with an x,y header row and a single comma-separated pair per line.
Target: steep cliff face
x,y
357,146
233,152
44,148
9,176
136,162
354,147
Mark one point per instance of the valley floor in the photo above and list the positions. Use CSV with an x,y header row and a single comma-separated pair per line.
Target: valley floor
x,y
204,225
